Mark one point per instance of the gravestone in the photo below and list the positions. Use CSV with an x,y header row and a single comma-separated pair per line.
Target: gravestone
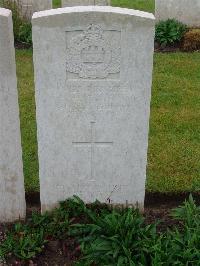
x,y
12,195
28,7
93,73
186,11
68,3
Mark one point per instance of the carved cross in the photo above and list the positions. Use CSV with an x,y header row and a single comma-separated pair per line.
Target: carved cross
x,y
92,143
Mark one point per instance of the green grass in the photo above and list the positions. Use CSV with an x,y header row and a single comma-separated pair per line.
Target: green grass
x,y
145,5
56,3
174,141
27,115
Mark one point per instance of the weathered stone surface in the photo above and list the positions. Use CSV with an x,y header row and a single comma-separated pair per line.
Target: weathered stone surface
x,y
186,11
28,7
93,72
12,195
68,3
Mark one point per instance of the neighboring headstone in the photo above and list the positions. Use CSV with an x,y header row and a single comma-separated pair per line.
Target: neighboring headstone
x,y
186,11
68,3
12,195
28,7
102,2
93,73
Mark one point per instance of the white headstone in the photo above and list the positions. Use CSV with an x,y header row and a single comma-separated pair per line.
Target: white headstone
x,y
12,195
28,7
186,11
93,73
68,3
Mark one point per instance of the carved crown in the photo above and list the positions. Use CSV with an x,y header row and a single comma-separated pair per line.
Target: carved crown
x,y
94,30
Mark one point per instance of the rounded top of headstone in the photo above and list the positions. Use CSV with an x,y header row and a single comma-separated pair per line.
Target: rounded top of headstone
x,y
102,9
5,12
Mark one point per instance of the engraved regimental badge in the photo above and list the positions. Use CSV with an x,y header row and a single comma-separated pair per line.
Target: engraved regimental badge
x,y
90,55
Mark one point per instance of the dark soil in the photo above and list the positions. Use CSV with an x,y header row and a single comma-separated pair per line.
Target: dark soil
x,y
152,199
176,47
169,200
21,45
63,253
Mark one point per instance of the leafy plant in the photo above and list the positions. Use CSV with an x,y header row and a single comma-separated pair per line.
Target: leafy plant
x,y
169,32
183,245
122,238
55,224
25,33
188,213
74,206
109,237
23,242
117,238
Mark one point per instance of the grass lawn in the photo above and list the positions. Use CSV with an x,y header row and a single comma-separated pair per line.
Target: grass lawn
x,y
146,5
174,141
27,114
56,3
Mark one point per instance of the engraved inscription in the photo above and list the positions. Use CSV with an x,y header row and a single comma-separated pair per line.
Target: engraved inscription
x,y
91,55
92,143
95,99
